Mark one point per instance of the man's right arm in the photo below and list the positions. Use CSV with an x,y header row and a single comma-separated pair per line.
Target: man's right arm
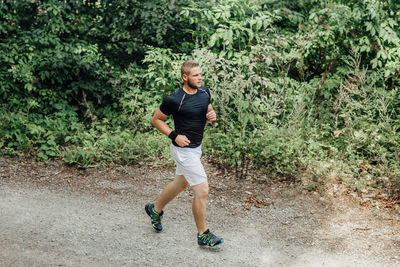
x,y
158,121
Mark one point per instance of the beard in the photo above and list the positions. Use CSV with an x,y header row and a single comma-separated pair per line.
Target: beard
x,y
193,86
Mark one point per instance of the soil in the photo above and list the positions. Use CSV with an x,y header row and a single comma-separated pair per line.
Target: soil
x,y
52,214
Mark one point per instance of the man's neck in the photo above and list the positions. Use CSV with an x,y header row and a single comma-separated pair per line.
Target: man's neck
x,y
189,90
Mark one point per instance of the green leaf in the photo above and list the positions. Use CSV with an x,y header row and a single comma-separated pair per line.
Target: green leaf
x,y
259,24
42,156
51,142
373,31
230,35
213,40
251,34
51,153
44,147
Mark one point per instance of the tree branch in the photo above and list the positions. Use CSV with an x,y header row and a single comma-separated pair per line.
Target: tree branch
x,y
318,91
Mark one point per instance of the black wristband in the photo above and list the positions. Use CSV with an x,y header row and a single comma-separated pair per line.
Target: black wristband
x,y
173,135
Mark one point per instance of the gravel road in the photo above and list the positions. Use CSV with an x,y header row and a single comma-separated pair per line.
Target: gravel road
x,y
51,215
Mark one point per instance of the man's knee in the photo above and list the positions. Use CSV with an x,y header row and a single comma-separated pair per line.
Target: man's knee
x,y
201,190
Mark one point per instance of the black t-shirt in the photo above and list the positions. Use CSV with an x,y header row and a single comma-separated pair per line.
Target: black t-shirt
x,y
189,113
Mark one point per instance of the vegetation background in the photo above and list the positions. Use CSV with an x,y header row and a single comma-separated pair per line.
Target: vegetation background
x,y
305,90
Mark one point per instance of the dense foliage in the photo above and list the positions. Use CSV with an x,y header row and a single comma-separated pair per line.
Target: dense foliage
x,y
304,89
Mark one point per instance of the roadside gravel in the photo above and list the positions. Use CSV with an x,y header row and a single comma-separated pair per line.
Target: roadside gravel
x,y
55,215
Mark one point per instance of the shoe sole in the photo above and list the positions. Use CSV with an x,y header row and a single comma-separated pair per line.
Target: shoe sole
x,y
216,247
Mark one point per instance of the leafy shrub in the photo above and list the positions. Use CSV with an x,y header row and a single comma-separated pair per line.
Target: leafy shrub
x,y
37,134
299,86
117,146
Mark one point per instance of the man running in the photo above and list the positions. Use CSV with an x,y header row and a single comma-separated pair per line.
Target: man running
x,y
191,109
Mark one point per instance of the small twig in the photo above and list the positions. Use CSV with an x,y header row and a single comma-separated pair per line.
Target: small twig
x,y
88,111
361,229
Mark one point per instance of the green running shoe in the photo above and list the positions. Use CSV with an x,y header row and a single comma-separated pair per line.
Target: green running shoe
x,y
208,239
155,217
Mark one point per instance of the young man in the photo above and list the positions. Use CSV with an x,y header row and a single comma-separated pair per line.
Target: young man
x,y
191,109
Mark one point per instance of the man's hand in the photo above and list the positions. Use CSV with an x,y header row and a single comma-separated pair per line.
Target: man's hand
x,y
182,140
211,115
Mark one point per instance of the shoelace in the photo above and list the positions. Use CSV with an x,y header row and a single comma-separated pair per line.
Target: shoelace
x,y
156,218
209,238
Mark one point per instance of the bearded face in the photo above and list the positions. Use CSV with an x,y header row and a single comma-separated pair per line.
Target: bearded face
x,y
193,85
194,78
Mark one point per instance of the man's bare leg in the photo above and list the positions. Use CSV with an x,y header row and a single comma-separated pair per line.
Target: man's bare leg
x,y
199,206
170,192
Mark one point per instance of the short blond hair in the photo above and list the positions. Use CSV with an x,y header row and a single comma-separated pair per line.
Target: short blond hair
x,y
187,66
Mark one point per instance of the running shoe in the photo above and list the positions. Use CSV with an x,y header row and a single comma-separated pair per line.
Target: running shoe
x,y
155,217
208,239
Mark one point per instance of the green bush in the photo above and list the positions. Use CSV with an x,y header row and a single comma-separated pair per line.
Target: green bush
x,y
299,86
118,147
37,134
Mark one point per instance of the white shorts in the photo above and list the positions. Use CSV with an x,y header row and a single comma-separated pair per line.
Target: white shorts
x,y
188,164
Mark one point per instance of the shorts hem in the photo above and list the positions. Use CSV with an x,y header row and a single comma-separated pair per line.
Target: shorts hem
x,y
197,183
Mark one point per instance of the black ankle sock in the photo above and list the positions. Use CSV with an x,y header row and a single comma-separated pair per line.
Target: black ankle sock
x,y
206,232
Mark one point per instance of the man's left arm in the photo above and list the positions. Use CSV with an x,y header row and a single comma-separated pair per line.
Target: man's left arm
x,y
211,115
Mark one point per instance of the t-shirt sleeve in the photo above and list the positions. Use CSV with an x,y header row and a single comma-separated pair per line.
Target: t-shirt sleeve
x,y
209,96
168,106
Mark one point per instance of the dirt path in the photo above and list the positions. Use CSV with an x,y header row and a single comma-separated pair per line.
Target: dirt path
x,y
53,215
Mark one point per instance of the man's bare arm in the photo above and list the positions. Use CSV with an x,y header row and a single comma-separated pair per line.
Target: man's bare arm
x,y
211,115
158,121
